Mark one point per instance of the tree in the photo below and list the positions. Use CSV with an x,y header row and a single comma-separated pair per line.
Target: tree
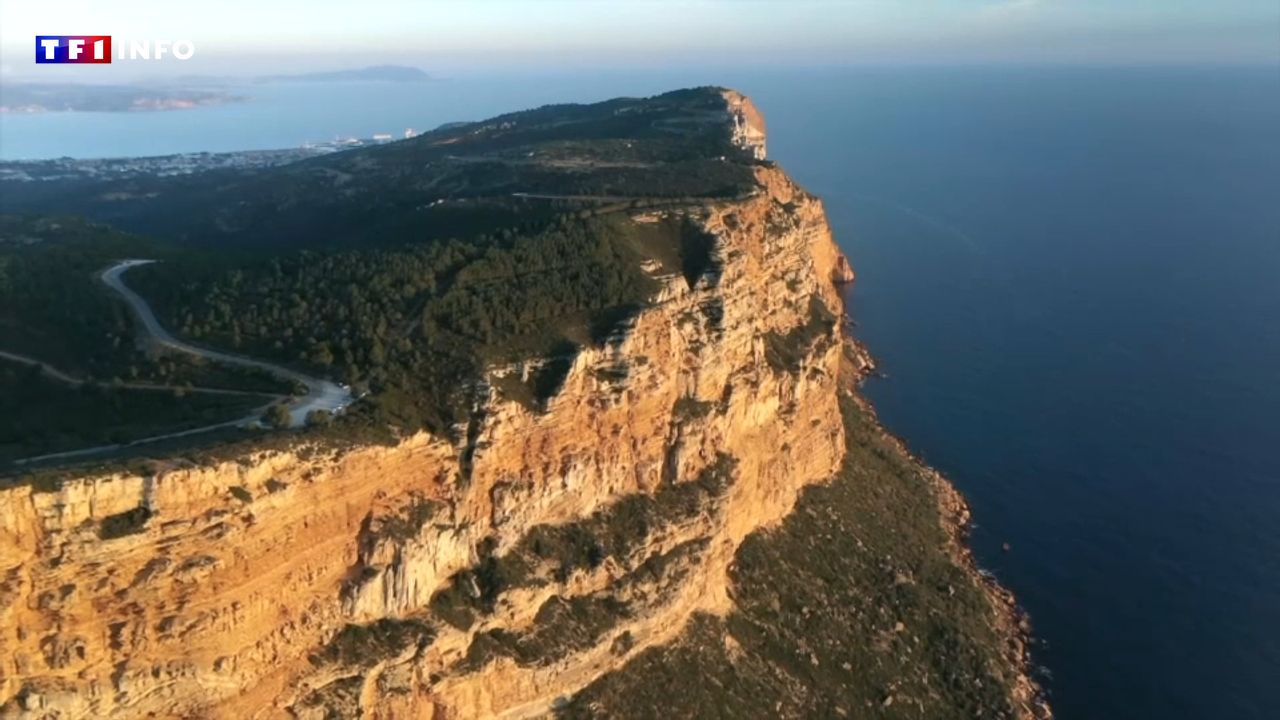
x,y
318,418
278,417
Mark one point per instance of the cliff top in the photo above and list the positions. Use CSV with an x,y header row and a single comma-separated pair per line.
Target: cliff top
x,y
694,143
403,269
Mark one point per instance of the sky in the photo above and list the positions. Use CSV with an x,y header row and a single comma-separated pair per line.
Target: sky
x,y
245,37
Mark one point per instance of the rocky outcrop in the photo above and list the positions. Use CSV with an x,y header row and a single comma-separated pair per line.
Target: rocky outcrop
x,y
231,591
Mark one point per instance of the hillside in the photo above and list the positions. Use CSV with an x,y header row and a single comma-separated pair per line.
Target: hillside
x,y
612,462
459,181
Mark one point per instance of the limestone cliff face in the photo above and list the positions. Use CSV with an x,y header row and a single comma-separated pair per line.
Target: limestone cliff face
x,y
312,581
747,123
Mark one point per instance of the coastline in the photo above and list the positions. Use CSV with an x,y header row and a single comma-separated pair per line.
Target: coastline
x,y
1010,619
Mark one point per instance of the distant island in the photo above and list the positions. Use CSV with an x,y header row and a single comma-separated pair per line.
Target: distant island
x,y
373,73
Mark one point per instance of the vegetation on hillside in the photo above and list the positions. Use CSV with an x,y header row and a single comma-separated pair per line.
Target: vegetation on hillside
x,y
40,416
51,305
417,324
460,181
856,606
54,310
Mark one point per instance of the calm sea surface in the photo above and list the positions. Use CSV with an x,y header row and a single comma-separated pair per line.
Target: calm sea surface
x,y
1072,281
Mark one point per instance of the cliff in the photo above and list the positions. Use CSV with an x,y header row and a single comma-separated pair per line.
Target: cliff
x,y
542,553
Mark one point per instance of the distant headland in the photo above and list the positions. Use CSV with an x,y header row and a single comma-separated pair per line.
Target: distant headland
x,y
373,73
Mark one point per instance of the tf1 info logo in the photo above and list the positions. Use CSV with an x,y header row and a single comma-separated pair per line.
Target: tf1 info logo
x,y
96,49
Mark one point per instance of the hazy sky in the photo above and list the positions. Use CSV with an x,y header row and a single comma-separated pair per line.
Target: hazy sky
x,y
454,36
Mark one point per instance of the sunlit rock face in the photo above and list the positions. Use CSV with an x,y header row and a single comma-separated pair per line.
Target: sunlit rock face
x,y
403,582
747,123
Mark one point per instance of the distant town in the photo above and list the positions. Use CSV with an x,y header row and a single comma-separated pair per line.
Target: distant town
x,y
67,168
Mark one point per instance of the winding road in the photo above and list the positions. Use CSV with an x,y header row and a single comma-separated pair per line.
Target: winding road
x,y
321,394
72,380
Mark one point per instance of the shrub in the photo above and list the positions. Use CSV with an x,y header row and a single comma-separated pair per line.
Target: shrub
x,y
278,417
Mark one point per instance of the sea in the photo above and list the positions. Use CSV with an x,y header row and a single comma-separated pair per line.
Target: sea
x,y
1070,277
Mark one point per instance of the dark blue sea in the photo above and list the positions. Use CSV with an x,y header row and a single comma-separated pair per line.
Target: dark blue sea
x,y
1071,279
1072,282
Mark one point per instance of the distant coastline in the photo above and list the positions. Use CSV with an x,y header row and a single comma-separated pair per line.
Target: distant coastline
x,y
28,98
374,73
185,93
